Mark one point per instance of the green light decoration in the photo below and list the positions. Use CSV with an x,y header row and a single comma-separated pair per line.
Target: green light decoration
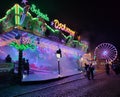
x,y
38,12
22,46
7,13
66,37
94,57
71,38
13,17
51,29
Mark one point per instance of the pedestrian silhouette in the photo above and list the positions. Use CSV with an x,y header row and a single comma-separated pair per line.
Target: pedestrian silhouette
x,y
8,59
27,66
87,70
91,67
23,65
116,68
107,68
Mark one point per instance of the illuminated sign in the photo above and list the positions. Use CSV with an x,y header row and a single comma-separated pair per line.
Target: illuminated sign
x,y
21,46
38,13
63,27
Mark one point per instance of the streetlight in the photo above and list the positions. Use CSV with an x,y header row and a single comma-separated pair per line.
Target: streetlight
x,y
58,55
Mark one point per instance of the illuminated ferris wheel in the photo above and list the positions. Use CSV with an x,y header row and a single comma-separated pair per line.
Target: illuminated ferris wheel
x,y
106,51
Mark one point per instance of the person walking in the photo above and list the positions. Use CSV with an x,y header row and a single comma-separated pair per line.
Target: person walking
x,y
27,66
107,68
91,68
87,70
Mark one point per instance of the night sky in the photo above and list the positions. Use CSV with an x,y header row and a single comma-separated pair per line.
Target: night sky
x,y
98,22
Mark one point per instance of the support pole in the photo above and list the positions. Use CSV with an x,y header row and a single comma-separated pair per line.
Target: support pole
x,y
58,67
20,64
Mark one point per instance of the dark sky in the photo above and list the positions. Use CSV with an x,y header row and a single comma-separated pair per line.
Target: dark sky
x,y
98,21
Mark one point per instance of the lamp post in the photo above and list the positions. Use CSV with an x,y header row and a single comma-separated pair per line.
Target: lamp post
x,y
58,59
20,64
58,55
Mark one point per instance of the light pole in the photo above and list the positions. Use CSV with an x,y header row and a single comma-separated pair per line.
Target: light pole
x,y
58,55
58,59
20,64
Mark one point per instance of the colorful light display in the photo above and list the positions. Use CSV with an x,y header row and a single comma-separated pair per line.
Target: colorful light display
x,y
106,51
63,27
35,26
14,19
43,55
24,37
38,13
25,10
22,46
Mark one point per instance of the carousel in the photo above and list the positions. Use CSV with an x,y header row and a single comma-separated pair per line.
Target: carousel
x,y
51,52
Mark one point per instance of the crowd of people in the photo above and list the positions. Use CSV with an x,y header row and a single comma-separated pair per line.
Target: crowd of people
x,y
25,63
116,68
89,69
107,68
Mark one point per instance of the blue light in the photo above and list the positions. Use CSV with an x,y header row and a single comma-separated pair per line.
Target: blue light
x,y
105,53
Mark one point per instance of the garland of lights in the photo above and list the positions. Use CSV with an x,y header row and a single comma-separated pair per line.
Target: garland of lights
x,y
38,13
22,46
17,9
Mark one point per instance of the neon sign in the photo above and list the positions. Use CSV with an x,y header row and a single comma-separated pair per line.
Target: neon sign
x,y
38,13
22,46
63,27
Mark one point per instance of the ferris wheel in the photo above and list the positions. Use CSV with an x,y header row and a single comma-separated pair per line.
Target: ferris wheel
x,y
106,51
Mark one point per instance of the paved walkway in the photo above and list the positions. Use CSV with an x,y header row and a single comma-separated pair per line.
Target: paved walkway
x,y
10,89
46,75
102,86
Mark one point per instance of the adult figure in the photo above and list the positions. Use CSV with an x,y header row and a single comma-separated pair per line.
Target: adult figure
x,y
10,67
27,66
91,67
116,68
107,68
87,70
8,59
23,65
